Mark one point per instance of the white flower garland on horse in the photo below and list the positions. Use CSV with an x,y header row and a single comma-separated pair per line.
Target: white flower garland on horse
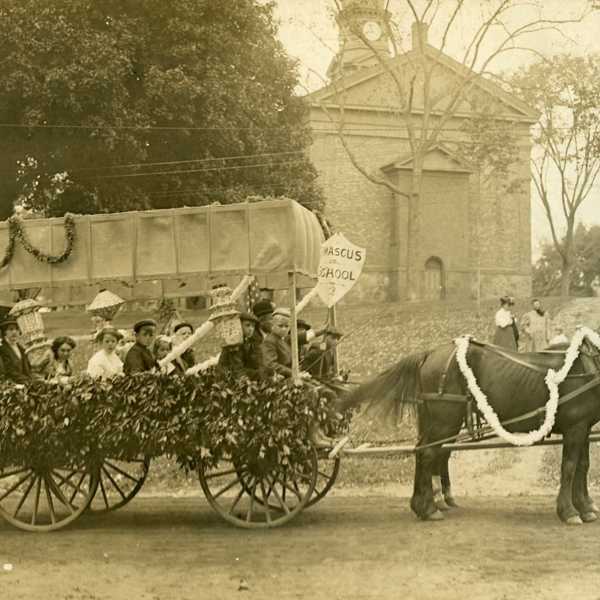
x,y
553,379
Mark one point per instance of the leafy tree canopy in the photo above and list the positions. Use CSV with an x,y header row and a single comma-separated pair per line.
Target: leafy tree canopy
x,y
87,87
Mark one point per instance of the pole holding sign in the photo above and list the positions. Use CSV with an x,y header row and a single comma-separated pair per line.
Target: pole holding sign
x,y
339,268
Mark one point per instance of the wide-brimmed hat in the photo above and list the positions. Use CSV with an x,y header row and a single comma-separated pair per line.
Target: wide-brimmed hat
x,y
246,316
182,325
263,308
144,323
109,331
302,324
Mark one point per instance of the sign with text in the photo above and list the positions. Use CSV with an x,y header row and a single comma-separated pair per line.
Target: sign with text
x,y
339,268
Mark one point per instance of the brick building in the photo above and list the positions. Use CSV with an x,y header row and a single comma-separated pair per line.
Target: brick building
x,y
475,231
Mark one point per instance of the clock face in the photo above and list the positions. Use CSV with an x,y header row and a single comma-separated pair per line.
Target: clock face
x,y
372,31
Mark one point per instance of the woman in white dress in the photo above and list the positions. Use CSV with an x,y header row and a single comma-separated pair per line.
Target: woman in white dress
x,y
106,363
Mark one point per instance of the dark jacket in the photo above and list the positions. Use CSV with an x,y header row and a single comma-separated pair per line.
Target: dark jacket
x,y
242,359
14,368
319,363
276,356
138,360
188,359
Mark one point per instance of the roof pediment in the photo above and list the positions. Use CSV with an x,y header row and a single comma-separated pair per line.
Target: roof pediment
x,y
366,87
439,158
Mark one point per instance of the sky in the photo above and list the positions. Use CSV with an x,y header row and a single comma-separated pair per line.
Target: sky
x,y
309,34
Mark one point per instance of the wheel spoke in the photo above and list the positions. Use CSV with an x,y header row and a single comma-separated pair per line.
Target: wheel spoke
x,y
295,491
281,502
14,472
222,473
16,485
104,493
23,498
252,499
58,493
38,489
121,471
115,485
237,499
226,488
50,502
77,488
266,502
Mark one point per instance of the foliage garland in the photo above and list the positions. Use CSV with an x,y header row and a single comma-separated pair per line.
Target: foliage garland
x,y
195,418
16,231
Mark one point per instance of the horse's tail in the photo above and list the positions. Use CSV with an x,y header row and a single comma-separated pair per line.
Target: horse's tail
x,y
392,391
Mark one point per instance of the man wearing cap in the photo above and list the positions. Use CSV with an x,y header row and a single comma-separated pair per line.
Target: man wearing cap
x,y
244,358
319,360
13,358
182,332
306,334
140,358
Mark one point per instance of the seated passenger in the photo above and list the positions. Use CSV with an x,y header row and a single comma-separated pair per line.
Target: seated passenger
x,y
59,370
140,358
162,346
319,360
263,311
244,358
13,357
181,332
106,363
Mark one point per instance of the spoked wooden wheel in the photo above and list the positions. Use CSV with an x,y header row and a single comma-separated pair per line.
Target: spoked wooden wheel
x,y
326,476
259,496
118,483
45,499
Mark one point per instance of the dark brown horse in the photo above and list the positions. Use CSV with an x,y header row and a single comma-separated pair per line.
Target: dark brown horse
x,y
514,386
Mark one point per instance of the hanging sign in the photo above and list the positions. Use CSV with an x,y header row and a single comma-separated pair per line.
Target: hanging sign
x,y
339,268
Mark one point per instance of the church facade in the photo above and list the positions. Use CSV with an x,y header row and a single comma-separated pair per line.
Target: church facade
x,y
474,234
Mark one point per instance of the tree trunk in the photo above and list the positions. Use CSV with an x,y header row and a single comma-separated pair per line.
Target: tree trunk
x,y
568,261
414,270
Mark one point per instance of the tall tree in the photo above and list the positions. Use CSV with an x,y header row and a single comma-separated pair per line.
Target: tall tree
x,y
134,104
427,112
566,91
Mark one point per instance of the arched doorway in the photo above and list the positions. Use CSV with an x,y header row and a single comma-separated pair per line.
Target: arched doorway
x,y
434,279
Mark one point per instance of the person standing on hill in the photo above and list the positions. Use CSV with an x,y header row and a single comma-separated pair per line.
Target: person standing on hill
x,y
535,325
507,333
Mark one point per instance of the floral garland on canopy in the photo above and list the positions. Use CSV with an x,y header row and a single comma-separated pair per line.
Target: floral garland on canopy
x,y
553,379
16,232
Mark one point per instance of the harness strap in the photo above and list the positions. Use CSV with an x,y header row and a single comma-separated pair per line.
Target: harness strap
x,y
444,376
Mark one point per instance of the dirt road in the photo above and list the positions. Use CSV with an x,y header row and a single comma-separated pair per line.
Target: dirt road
x,y
345,547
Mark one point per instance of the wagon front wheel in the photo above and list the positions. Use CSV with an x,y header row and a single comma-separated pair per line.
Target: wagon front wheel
x,y
254,497
45,498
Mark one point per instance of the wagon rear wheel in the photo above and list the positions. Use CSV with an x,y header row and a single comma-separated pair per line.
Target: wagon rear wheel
x,y
45,498
326,477
118,483
254,497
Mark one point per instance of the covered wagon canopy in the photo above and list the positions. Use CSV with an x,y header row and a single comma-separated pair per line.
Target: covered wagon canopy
x,y
206,245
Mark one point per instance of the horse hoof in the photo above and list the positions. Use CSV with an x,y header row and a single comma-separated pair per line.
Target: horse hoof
x,y
441,505
594,508
589,517
450,501
435,516
575,520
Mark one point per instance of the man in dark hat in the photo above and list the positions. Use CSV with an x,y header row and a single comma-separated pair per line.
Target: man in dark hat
x,y
140,358
263,311
244,358
306,334
319,360
13,358
182,332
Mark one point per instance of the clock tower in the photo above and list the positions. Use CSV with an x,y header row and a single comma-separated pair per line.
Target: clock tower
x,y
366,18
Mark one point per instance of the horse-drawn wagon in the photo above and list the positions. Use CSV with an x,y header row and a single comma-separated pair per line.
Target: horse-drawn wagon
x,y
276,243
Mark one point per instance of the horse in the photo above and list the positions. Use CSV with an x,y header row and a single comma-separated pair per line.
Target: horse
x,y
514,384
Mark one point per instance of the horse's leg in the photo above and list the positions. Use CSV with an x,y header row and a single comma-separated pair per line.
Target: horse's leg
x,y
573,442
422,502
439,471
584,504
445,478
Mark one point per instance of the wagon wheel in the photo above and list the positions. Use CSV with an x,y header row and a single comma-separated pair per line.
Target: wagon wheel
x,y
326,477
327,473
118,483
259,495
45,498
